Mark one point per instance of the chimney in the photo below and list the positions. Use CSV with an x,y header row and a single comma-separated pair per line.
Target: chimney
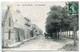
x,y
8,6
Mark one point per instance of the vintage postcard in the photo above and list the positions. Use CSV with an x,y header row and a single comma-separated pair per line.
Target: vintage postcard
x,y
40,26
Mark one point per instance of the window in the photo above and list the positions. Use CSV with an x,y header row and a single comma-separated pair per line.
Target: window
x,y
9,21
9,34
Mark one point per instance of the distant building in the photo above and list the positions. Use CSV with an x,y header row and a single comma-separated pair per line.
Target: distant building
x,y
37,31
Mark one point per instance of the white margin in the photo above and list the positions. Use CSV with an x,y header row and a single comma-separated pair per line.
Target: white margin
x,y
33,1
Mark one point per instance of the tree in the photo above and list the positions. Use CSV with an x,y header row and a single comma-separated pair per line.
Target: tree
x,y
53,23
59,20
75,26
73,23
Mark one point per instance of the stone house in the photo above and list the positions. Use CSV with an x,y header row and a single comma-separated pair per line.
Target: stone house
x,y
16,28
13,27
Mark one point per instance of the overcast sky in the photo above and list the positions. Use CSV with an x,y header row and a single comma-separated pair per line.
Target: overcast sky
x,y
36,11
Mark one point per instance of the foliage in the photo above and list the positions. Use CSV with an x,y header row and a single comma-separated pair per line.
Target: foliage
x,y
58,19
54,19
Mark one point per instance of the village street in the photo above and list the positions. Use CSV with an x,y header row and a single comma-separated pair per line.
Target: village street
x,y
40,43
50,29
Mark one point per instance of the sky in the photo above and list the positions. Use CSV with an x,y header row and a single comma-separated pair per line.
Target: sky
x,y
35,11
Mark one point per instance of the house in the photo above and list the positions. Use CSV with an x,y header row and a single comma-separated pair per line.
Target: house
x,y
36,30
13,27
16,28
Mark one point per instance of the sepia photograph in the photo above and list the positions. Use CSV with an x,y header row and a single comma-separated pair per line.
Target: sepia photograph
x,y
40,26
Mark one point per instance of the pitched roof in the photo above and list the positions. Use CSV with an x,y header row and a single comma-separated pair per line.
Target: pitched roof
x,y
18,19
